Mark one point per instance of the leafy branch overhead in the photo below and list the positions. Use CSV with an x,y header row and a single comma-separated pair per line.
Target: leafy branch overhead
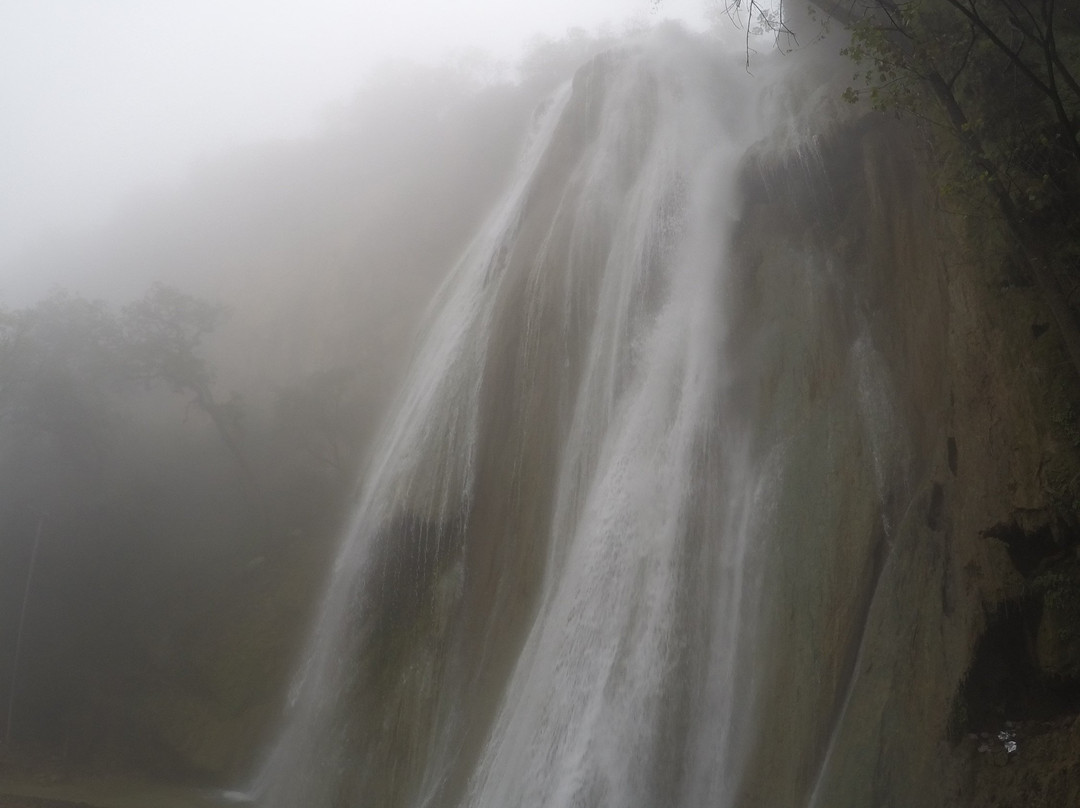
x,y
995,84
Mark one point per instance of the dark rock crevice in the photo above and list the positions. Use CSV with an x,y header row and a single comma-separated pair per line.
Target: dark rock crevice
x,y
1026,663
1036,540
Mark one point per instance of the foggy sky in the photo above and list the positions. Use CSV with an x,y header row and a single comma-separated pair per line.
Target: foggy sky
x,y
99,98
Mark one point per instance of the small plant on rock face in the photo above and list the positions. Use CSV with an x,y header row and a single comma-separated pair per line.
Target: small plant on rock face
x,y
1067,423
1060,590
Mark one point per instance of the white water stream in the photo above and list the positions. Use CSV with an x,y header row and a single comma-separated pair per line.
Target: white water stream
x,y
550,588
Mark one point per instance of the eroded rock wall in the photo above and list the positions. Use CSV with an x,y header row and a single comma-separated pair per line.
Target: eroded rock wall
x,y
921,596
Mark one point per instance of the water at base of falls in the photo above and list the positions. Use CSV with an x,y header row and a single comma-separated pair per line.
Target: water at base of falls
x,y
549,594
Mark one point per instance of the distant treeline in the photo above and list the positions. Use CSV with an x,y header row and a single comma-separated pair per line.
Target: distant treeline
x,y
145,487
184,421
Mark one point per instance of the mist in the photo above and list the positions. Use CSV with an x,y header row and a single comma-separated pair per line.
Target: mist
x,y
104,102
459,404
215,265
314,172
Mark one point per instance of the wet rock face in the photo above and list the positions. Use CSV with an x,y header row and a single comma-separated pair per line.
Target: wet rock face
x,y
1037,765
1011,679
1037,540
1026,663
969,621
854,714
1057,640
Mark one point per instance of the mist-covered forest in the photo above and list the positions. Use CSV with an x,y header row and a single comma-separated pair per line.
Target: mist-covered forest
x,y
183,420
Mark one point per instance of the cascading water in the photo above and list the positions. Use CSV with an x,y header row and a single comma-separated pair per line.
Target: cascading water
x,y
563,582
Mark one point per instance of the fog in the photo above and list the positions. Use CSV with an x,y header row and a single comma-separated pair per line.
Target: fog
x,y
220,229
314,170
105,100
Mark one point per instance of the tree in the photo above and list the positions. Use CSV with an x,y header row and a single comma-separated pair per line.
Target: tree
x,y
995,80
163,336
317,421
59,366
756,19
61,381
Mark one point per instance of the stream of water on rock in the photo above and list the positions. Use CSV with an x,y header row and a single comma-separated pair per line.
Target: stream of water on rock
x,y
551,587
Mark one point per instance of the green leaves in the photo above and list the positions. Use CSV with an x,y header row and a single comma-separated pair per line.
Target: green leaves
x,y
976,74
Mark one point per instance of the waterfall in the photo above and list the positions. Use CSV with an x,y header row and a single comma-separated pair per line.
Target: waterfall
x,y
578,549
